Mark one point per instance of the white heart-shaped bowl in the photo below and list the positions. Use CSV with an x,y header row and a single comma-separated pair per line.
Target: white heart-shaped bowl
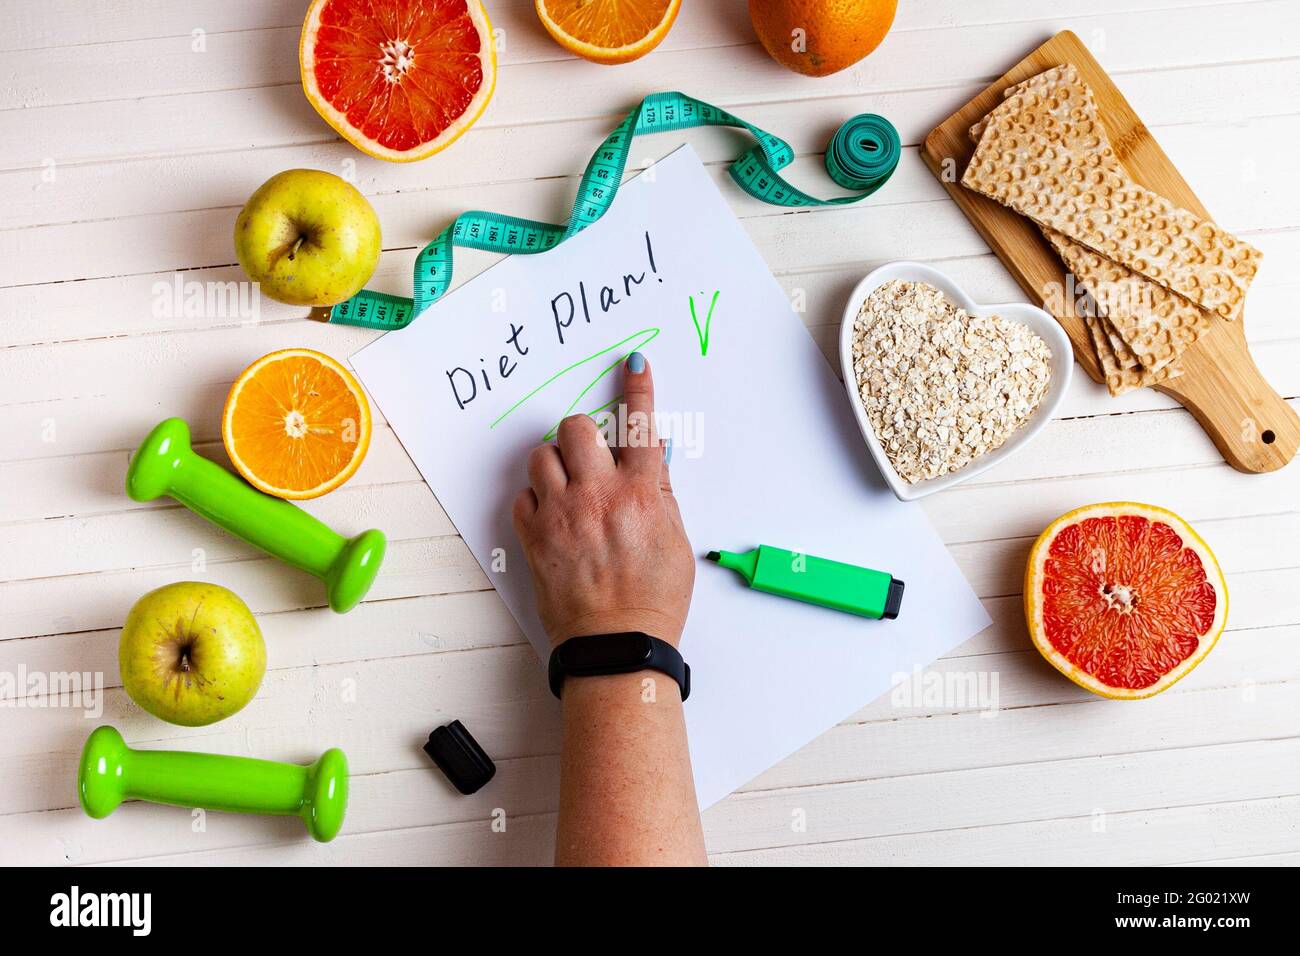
x,y
1062,362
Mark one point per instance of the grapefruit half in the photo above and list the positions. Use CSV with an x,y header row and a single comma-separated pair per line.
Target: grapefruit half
x,y
398,79
1124,598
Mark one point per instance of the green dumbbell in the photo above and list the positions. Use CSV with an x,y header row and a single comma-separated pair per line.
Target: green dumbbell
x,y
165,464
111,772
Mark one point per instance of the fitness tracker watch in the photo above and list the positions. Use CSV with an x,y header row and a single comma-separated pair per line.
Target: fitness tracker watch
x,y
621,653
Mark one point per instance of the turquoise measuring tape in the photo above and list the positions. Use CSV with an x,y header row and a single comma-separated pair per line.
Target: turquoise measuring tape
x,y
861,156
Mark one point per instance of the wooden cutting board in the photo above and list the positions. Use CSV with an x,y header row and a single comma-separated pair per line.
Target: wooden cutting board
x,y
1253,427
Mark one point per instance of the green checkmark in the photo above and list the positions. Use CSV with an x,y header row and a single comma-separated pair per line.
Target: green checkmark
x,y
703,336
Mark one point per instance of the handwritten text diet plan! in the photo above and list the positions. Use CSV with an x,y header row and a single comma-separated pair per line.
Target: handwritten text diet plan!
x,y
564,317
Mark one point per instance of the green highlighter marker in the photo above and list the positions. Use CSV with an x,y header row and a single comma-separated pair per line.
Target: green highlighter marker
x,y
833,584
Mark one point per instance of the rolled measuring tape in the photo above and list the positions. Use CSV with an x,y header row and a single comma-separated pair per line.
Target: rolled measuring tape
x,y
861,156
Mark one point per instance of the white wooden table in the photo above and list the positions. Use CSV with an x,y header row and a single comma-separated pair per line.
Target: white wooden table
x,y
131,134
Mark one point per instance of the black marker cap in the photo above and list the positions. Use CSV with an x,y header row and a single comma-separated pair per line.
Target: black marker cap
x,y
459,756
894,600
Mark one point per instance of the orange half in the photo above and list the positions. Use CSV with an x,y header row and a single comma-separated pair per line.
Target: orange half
x,y
296,424
608,31
398,79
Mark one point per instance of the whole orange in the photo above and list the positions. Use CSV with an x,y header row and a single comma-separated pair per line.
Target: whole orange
x,y
819,37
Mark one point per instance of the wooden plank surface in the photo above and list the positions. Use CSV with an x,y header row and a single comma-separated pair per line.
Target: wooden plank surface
x,y
128,171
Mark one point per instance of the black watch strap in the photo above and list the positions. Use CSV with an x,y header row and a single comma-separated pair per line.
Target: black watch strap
x,y
621,653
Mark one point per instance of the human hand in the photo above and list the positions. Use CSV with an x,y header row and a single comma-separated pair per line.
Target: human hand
x,y
604,539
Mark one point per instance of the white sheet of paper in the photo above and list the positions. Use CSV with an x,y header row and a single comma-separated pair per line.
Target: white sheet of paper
x,y
766,451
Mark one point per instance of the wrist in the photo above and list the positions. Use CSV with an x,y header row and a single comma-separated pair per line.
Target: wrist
x,y
645,686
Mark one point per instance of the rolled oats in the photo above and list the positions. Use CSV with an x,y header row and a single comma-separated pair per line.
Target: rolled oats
x,y
940,386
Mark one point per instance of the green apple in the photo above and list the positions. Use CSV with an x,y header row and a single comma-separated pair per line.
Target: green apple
x,y
191,653
308,238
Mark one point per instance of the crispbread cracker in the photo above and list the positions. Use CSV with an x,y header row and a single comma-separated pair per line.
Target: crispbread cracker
x,y
1112,370
1041,83
1137,341
1126,340
1119,366
1154,322
1045,155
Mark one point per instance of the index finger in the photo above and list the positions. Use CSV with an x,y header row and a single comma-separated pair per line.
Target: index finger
x,y
642,454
